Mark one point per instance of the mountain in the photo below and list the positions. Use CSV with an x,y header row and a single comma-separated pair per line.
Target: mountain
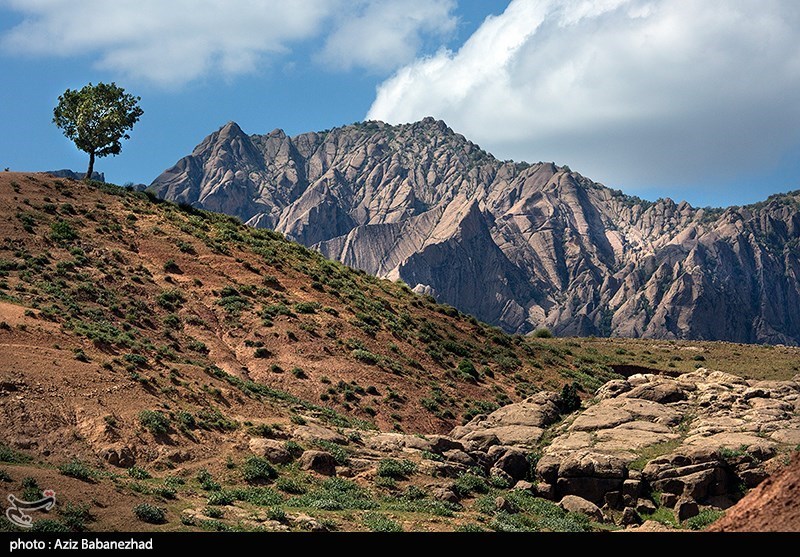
x,y
518,245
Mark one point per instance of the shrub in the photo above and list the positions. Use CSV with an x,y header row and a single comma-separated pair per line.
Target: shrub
x,y
307,307
10,456
569,400
262,352
170,299
138,473
49,525
150,513
365,356
171,267
77,469
542,332
258,469
379,523
154,421
299,373
467,367
397,469
75,517
61,231
704,519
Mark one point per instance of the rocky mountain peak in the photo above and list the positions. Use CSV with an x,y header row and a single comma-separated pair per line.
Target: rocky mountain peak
x,y
547,246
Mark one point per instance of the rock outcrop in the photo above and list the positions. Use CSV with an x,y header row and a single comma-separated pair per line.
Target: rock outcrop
x,y
698,440
517,245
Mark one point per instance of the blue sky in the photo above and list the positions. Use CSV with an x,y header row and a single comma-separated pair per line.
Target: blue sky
x,y
660,98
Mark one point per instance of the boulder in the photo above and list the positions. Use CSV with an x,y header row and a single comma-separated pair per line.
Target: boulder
x,y
575,504
315,432
661,391
630,517
613,389
320,462
459,457
121,456
444,494
514,463
271,449
481,440
645,506
685,509
501,504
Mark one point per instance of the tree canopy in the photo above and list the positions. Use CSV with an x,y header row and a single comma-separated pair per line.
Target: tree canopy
x,y
96,118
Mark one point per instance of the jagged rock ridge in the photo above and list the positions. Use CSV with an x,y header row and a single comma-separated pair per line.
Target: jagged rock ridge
x,y
518,245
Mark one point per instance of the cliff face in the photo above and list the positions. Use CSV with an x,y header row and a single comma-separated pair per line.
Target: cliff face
x,y
518,245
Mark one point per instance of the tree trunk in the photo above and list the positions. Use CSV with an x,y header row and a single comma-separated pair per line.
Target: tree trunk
x,y
91,168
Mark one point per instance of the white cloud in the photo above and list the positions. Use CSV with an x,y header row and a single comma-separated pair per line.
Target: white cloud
x,y
631,91
173,42
384,34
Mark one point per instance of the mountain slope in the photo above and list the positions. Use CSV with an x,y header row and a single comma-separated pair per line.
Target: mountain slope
x,y
155,356
517,245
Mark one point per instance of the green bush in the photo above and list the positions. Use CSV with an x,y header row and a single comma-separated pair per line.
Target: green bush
x,y
47,525
307,307
397,469
138,473
78,470
150,513
379,523
467,367
542,332
704,519
61,231
154,421
258,469
365,356
10,456
171,267
569,400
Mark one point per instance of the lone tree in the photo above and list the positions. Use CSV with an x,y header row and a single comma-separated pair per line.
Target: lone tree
x,y
96,118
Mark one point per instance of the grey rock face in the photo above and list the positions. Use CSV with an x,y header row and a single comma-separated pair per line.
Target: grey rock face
x,y
517,245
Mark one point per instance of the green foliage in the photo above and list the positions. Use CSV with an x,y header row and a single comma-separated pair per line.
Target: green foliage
x,y
335,494
61,231
468,483
704,519
154,421
49,525
150,513
380,523
75,517
77,469
171,299
466,367
569,400
138,473
171,267
307,307
10,456
96,118
257,469
365,356
542,332
397,469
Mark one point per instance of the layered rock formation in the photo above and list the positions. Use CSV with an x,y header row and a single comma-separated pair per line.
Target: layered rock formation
x,y
696,441
518,245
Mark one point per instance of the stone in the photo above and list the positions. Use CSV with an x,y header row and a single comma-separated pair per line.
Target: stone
x,y
459,457
613,389
320,462
575,504
663,392
314,432
444,494
271,449
121,456
504,505
501,476
514,463
668,500
685,509
481,440
441,443
645,506
630,517
545,490
523,485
